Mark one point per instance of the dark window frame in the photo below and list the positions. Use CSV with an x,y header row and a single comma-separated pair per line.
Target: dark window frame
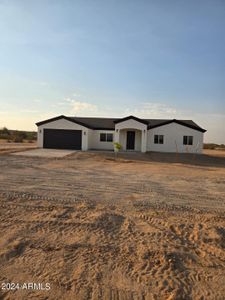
x,y
109,137
159,139
188,140
102,137
106,137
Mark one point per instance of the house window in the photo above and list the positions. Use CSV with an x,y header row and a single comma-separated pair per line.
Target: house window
x,y
158,139
187,140
106,137
109,137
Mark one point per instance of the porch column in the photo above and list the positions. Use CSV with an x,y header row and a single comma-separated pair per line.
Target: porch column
x,y
144,140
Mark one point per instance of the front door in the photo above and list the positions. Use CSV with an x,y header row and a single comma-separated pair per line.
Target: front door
x,y
130,140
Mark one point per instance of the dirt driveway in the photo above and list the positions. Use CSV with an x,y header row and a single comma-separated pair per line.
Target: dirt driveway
x,y
96,228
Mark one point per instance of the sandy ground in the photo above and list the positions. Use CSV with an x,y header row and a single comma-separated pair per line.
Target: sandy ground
x,y
6,148
49,153
96,228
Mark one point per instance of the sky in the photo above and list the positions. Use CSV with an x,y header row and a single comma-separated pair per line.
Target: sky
x,y
152,59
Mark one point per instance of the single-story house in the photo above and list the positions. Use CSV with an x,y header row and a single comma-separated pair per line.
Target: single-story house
x,y
134,134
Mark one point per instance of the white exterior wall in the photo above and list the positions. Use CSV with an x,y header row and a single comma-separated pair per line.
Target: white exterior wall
x,y
139,128
144,139
64,124
173,135
123,139
95,143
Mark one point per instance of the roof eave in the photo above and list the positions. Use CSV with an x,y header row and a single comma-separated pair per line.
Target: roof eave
x,y
62,117
178,122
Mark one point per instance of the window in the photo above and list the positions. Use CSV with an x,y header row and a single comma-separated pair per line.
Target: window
x,y
158,139
102,137
106,137
187,140
109,137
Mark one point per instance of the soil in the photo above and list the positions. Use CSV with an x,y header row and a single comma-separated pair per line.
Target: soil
x,y
12,147
139,227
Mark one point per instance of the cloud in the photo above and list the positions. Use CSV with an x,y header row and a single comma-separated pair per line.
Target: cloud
x,y
153,110
76,95
213,123
80,107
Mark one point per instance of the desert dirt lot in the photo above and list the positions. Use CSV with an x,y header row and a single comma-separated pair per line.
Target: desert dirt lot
x,y
15,147
96,228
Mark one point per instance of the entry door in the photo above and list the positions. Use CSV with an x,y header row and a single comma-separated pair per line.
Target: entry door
x,y
130,140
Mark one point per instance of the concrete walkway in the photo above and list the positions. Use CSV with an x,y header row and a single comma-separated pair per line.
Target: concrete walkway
x,y
45,153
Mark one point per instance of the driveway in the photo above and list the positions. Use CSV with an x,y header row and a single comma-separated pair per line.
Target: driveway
x,y
45,153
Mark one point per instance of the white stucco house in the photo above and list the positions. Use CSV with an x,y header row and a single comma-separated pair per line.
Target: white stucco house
x,y
134,134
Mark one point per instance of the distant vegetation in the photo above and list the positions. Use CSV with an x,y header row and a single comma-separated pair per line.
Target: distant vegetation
x,y
17,136
214,146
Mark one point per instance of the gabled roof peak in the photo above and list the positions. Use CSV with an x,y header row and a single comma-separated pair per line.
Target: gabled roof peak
x,y
131,117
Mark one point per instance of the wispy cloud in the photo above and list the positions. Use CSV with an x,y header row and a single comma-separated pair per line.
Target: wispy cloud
x,y
153,110
77,95
81,107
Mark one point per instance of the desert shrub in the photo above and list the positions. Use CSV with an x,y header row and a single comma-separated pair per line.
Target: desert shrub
x,y
210,146
18,136
4,133
18,139
12,135
31,136
4,136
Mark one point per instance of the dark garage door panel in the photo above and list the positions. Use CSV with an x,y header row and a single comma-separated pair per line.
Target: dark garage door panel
x,y
62,139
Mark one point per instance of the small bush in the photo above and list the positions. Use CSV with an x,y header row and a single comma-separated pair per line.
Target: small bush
x,y
18,139
210,146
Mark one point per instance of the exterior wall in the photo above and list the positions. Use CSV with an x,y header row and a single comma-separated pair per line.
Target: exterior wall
x,y
130,124
95,143
63,124
140,137
173,139
144,139
123,139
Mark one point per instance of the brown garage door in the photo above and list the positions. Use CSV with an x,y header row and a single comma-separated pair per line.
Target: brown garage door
x,y
62,139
